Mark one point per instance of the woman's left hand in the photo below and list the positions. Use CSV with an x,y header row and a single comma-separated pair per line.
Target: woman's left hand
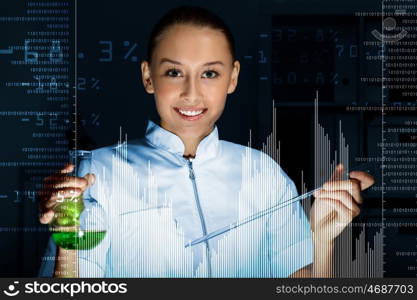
x,y
337,203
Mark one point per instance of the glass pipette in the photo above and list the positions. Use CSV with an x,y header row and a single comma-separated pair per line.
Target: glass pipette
x,y
362,167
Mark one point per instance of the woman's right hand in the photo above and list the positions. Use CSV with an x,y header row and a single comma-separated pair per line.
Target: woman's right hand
x,y
59,186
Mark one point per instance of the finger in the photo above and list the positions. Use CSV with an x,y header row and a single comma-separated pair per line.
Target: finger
x,y
69,181
81,183
54,178
64,193
91,178
344,213
60,174
57,197
67,169
365,179
46,217
352,186
47,193
342,196
337,173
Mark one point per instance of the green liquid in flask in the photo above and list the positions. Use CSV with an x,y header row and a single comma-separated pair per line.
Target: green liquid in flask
x,y
78,240
66,232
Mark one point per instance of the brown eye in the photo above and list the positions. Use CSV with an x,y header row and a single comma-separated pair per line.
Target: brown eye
x,y
210,74
173,73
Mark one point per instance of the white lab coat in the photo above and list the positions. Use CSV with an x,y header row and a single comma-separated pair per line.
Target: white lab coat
x,y
155,206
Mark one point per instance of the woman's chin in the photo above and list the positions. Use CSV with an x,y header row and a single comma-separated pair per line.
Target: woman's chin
x,y
193,131
186,129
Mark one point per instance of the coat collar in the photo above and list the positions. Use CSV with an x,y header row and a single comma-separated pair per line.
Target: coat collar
x,y
164,139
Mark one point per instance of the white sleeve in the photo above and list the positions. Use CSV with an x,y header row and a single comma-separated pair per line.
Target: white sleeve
x,y
48,260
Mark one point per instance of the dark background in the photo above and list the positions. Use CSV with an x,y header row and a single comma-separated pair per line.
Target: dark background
x,y
288,50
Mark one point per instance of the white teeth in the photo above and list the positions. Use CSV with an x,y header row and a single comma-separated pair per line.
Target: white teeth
x,y
190,113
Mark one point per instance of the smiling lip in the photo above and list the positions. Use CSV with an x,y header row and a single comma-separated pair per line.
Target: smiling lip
x,y
191,117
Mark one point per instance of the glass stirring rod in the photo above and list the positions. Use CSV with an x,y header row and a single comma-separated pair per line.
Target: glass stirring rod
x,y
262,213
250,218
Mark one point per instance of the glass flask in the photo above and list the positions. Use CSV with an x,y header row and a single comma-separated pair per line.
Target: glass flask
x,y
80,222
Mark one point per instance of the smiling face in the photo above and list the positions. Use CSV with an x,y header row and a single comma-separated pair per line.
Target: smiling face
x,y
191,73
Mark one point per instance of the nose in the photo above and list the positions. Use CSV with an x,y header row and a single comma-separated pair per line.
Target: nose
x,y
191,91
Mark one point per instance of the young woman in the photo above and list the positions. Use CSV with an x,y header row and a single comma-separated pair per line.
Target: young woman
x,y
181,182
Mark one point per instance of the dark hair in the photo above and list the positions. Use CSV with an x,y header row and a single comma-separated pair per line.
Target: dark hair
x,y
189,15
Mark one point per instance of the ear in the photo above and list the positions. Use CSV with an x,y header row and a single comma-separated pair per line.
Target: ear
x,y
146,77
234,77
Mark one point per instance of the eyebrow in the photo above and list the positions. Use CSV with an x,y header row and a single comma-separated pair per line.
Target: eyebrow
x,y
167,60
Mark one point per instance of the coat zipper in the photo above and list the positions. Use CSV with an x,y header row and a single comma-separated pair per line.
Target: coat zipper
x,y
200,213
